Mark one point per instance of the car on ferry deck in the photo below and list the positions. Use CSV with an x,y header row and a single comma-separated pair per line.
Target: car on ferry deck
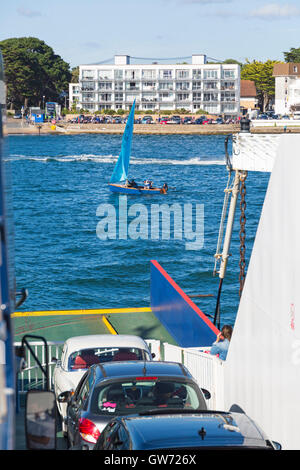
x,y
190,430
113,389
80,352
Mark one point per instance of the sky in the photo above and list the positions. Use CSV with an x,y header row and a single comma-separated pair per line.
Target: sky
x,y
93,31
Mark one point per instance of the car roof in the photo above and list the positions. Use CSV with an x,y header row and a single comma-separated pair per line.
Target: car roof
x,y
112,370
201,429
93,341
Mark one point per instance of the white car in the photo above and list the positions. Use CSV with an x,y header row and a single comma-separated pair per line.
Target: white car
x,y
80,352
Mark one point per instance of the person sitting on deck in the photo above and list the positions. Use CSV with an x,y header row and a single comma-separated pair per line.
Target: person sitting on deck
x,y
148,184
221,345
132,184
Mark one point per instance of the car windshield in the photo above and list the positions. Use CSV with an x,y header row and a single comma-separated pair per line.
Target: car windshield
x,y
142,394
86,357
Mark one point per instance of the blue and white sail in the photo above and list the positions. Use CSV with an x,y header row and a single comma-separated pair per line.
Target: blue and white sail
x,y
120,172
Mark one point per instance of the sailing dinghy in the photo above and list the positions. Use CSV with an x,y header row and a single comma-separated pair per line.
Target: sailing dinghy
x,y
119,180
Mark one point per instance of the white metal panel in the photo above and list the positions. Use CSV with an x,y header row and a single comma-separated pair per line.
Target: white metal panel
x,y
254,152
262,370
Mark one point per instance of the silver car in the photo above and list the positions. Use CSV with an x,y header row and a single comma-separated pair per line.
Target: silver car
x,y
124,388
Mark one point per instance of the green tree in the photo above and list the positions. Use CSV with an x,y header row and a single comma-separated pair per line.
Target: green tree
x,y
262,75
293,55
33,70
75,74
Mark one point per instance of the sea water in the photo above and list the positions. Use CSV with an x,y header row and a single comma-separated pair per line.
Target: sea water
x,y
58,184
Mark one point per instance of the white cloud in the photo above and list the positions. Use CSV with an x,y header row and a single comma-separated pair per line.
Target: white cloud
x,y
273,11
28,13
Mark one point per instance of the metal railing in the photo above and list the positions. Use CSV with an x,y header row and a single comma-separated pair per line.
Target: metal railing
x,y
207,370
30,377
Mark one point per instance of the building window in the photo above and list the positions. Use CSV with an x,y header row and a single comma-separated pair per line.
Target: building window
x,y
87,96
182,86
165,96
295,68
104,85
227,86
119,96
132,74
88,74
210,96
88,86
165,74
118,74
105,74
149,97
149,74
196,74
119,86
210,86
182,74
197,85
105,97
165,86
211,108
228,96
183,96
230,73
148,86
196,96
210,74
132,86
228,107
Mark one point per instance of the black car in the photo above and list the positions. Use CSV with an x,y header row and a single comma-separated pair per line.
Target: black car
x,y
186,429
124,388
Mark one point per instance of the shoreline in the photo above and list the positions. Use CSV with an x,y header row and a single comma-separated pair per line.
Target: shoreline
x,y
139,129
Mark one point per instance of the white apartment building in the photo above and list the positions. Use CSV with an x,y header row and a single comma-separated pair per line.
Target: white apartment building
x,y
214,88
287,88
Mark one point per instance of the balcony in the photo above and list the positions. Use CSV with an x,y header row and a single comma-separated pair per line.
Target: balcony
x,y
149,100
148,89
132,88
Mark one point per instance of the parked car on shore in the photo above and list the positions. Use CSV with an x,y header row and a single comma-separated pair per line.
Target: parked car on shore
x,y
147,120
80,352
187,429
115,389
164,120
175,120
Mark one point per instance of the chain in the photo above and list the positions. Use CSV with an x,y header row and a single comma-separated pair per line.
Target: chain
x,y
242,263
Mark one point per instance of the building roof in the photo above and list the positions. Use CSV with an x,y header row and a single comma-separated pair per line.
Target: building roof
x,y
285,69
248,89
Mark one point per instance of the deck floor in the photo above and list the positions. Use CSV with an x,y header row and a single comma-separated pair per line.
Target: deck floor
x,y
60,325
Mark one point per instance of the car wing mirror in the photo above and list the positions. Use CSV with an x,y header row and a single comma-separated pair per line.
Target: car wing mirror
x,y
206,393
277,445
40,420
64,397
